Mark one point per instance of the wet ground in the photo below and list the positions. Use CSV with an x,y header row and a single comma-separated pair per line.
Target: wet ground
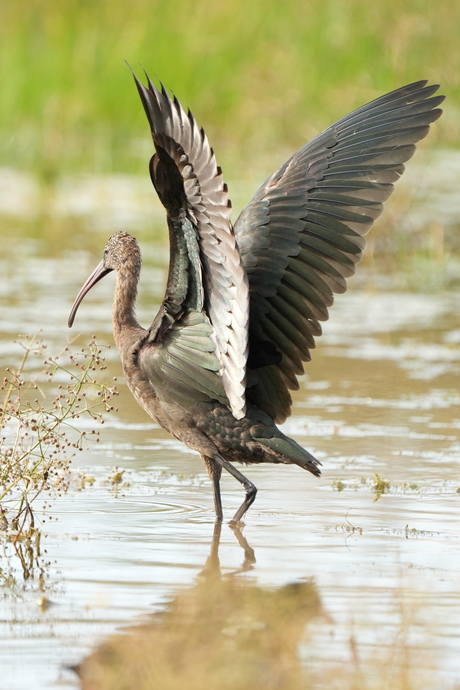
x,y
379,406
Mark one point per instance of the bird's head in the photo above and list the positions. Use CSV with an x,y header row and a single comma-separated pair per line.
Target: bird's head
x,y
121,254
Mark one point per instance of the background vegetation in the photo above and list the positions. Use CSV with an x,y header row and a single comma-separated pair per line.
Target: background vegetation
x,y
258,76
262,78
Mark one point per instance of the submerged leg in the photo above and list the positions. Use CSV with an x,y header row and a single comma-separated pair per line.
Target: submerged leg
x,y
215,471
251,489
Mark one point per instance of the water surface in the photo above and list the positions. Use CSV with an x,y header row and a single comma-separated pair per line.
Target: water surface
x,y
381,396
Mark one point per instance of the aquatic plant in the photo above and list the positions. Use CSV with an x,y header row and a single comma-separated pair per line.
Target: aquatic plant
x,y
38,434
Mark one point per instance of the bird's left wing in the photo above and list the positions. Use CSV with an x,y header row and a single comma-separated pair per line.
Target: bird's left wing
x,y
226,295
303,232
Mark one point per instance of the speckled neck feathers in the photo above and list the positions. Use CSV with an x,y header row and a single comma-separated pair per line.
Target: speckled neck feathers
x,y
124,320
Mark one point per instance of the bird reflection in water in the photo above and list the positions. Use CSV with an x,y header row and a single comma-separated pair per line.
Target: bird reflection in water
x,y
224,632
243,304
213,564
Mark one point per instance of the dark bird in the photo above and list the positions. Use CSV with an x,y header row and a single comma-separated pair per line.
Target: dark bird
x,y
243,303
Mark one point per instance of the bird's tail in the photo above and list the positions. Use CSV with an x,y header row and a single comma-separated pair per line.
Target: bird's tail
x,y
287,450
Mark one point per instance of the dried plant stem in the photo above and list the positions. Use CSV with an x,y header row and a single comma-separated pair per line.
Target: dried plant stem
x,y
17,375
35,461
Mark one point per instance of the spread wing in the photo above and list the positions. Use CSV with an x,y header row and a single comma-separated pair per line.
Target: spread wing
x,y
303,232
184,155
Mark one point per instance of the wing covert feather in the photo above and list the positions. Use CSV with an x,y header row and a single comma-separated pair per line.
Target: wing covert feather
x,y
183,366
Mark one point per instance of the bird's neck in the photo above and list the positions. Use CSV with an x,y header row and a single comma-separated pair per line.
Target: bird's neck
x,y
124,304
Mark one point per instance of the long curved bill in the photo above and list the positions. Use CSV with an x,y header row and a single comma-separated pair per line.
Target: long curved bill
x,y
99,272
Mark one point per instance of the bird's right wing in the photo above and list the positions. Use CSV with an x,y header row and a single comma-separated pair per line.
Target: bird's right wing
x,y
303,232
186,164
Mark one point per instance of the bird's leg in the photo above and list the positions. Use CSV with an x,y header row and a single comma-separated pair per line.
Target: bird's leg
x,y
251,489
215,471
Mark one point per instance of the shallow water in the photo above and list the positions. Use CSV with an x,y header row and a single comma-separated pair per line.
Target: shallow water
x,y
380,396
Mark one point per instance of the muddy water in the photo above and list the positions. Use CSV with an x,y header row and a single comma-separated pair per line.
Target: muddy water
x,y
382,396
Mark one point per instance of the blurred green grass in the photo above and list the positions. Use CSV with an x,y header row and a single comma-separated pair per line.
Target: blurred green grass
x,y
261,77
